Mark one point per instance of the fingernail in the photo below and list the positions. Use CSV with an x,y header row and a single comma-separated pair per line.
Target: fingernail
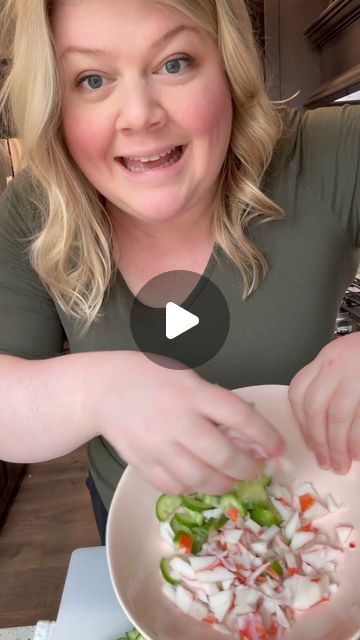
x,y
323,462
338,468
258,452
252,447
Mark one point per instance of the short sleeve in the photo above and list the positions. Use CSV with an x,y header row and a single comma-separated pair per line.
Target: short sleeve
x,y
328,157
30,326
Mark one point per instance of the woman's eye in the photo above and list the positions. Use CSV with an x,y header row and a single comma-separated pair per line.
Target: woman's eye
x,y
94,81
177,65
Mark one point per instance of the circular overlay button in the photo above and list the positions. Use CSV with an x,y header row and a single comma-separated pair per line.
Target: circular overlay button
x,y
180,319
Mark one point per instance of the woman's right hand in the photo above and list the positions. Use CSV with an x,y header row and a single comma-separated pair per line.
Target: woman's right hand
x,y
165,423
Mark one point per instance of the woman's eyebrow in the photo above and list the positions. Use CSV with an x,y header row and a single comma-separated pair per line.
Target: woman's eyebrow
x,y
105,52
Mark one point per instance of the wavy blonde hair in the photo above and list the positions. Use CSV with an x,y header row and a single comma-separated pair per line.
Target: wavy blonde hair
x,y
72,249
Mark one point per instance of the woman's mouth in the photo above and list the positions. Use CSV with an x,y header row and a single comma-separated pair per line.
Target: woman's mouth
x,y
141,165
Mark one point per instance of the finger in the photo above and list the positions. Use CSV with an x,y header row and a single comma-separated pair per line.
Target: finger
x,y
298,387
225,408
316,403
196,475
210,445
340,416
354,436
162,479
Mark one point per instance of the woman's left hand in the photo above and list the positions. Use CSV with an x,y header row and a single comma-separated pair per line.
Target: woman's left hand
x,y
325,398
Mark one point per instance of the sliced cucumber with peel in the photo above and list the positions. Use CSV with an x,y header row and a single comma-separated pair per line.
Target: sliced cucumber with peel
x,y
231,500
265,517
252,493
132,635
190,518
166,506
166,572
177,525
194,504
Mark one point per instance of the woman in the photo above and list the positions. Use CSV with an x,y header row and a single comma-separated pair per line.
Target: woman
x,y
93,218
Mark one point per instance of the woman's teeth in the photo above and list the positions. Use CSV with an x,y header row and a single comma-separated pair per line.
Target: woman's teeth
x,y
149,159
141,164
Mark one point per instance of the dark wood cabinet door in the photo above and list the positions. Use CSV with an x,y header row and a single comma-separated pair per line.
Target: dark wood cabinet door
x,y
3,478
10,478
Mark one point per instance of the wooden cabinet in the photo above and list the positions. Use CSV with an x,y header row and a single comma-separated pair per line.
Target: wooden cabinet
x,y
10,478
336,33
311,46
292,62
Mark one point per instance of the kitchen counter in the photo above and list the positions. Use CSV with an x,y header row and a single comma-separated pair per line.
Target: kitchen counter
x,y
17,633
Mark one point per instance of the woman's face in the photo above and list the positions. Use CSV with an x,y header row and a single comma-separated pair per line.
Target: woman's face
x,y
155,84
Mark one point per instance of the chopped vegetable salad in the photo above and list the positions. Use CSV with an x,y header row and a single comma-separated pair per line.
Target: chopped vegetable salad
x,y
247,561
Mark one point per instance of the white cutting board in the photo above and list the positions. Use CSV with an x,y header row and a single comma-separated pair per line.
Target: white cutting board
x,y
89,609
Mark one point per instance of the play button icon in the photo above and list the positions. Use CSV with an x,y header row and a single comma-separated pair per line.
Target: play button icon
x,y
179,319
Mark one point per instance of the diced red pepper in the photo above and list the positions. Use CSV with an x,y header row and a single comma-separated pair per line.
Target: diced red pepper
x,y
293,571
233,514
185,543
306,501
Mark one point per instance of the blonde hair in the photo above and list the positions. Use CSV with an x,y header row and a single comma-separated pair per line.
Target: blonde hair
x,y
72,250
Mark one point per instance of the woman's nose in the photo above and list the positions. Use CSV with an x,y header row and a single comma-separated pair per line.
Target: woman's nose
x,y
139,109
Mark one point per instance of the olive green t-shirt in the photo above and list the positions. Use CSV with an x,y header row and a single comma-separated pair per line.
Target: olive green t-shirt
x,y
313,255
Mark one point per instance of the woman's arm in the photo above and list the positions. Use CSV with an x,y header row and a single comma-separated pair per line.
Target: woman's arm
x,y
162,421
44,409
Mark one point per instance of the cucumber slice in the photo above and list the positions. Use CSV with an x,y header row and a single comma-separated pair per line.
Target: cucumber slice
x,y
252,493
217,524
166,572
211,501
194,504
132,635
190,518
166,506
177,526
264,517
277,567
200,535
231,500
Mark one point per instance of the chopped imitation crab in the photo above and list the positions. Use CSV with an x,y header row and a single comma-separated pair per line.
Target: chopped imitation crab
x,y
343,534
239,575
